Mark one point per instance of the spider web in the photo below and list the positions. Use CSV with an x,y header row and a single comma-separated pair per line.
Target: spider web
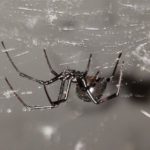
x,y
70,30
75,29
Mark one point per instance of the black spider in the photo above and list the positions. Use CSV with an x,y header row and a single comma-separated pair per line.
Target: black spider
x,y
88,88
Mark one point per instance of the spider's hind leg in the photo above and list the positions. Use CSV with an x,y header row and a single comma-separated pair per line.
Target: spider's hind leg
x,y
25,104
103,99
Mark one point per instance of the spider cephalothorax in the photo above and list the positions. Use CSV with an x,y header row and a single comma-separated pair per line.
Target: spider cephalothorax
x,y
88,88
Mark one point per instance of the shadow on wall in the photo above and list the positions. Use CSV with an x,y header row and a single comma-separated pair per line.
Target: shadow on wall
x,y
138,88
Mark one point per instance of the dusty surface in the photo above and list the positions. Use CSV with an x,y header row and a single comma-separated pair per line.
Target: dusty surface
x,y
70,30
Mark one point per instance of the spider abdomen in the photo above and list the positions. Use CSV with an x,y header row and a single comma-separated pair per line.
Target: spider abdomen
x,y
96,88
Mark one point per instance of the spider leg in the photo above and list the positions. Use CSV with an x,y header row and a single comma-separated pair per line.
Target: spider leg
x,y
68,89
60,97
25,104
115,68
61,90
103,99
88,65
49,65
116,65
48,96
25,75
96,76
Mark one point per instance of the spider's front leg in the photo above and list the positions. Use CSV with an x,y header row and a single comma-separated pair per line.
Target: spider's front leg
x,y
63,97
30,106
29,77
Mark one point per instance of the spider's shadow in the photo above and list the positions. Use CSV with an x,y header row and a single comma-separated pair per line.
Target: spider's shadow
x,y
139,89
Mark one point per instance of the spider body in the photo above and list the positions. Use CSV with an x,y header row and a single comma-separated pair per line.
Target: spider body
x,y
88,88
95,86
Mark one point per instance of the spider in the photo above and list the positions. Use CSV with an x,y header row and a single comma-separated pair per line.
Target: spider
x,y
88,88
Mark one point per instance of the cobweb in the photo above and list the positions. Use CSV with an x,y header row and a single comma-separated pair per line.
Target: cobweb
x,y
72,29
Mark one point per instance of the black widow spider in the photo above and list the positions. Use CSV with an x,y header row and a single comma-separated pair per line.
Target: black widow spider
x,y
88,88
